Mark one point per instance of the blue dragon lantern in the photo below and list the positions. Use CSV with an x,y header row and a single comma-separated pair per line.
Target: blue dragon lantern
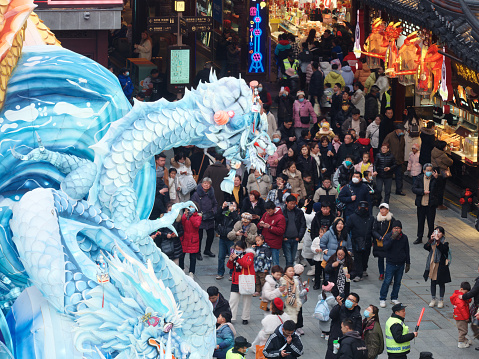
x,y
79,275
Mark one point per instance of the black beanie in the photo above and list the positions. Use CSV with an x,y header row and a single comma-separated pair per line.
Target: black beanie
x,y
397,223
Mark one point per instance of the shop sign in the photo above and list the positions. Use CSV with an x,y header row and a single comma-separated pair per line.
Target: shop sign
x,y
467,74
258,23
218,10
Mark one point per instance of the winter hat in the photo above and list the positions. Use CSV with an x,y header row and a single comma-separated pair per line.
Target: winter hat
x,y
328,287
278,303
385,205
298,269
317,207
325,126
286,89
397,223
300,93
247,216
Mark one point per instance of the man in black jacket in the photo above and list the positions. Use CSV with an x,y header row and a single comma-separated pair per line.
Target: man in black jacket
x,y
396,246
371,106
225,220
351,345
287,132
347,148
426,188
316,84
295,228
359,225
349,309
284,342
324,217
285,105
220,304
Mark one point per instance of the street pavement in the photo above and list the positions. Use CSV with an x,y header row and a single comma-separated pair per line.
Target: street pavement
x,y
437,334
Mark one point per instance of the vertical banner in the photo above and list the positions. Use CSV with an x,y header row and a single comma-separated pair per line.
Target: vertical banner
x,y
257,33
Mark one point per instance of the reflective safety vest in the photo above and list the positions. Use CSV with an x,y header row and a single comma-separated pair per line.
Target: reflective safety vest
x,y
391,345
388,99
287,65
231,355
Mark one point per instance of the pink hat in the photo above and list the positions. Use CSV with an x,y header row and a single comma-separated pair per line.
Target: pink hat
x,y
278,303
416,146
298,269
329,287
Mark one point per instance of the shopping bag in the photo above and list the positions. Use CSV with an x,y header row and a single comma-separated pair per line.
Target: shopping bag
x,y
259,352
246,283
187,184
317,109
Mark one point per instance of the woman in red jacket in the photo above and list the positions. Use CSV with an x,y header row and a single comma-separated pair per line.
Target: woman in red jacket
x,y
241,260
273,225
190,241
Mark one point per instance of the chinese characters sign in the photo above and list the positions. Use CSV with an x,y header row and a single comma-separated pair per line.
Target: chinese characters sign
x,y
258,22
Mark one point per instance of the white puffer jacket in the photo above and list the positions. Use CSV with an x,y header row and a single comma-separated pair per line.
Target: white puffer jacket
x,y
307,241
270,289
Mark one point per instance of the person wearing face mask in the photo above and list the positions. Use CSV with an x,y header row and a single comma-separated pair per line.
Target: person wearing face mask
x,y
397,144
264,95
303,113
360,225
281,150
345,309
426,188
372,332
398,261
239,349
344,172
352,194
382,225
126,83
241,261
285,105
437,265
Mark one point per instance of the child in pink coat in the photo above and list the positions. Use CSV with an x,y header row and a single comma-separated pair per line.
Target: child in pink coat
x,y
413,165
336,143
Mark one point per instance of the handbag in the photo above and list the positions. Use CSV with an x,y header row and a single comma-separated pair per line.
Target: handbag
x,y
259,352
379,242
305,120
246,283
317,109
208,216
196,176
187,184
263,305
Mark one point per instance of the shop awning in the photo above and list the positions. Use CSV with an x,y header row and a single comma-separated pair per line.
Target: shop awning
x,y
455,22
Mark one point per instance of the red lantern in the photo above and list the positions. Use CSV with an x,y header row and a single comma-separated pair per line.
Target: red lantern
x,y
468,192
462,201
469,199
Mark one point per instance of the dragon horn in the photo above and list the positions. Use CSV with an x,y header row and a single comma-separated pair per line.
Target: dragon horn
x,y
18,156
40,143
213,77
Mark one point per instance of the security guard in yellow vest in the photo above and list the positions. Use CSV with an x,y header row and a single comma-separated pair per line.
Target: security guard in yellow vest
x,y
398,337
239,350
288,63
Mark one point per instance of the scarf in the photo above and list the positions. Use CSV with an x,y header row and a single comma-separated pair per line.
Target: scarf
x,y
368,324
291,290
237,265
236,193
341,281
437,253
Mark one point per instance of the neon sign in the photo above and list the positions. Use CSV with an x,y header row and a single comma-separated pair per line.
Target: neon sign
x,y
258,16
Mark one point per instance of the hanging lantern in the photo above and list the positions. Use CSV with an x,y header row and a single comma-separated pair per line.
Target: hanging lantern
x,y
424,83
409,58
357,36
376,44
391,58
443,92
433,61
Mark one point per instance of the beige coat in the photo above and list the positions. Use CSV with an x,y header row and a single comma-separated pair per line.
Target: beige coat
x,y
296,182
250,235
440,159
263,186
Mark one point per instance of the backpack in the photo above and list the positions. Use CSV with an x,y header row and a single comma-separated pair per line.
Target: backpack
x,y
360,350
414,130
321,311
